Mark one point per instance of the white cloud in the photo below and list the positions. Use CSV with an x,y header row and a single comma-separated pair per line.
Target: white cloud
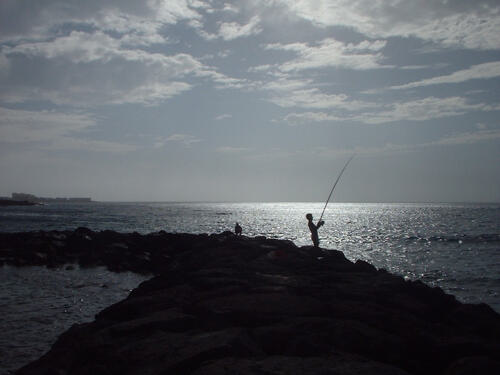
x,y
92,145
230,8
468,24
139,22
184,139
480,71
53,130
151,93
36,126
473,31
260,68
81,47
294,119
416,110
450,140
233,30
314,98
223,116
109,62
423,109
77,47
171,11
233,150
289,93
101,71
470,137
224,82
333,53
285,84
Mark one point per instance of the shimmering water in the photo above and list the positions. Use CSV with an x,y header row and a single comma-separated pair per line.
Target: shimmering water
x,y
38,304
454,246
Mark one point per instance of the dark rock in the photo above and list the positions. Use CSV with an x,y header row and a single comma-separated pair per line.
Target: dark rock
x,y
473,366
364,266
276,365
82,232
226,304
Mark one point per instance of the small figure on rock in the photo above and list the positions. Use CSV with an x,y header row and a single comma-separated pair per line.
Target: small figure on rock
x,y
238,229
314,229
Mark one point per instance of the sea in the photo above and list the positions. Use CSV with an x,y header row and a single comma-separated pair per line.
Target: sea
x,y
453,246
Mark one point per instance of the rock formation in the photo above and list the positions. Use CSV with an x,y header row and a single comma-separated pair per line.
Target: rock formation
x,y
225,304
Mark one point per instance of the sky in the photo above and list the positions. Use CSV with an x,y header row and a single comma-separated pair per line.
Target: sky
x,y
255,100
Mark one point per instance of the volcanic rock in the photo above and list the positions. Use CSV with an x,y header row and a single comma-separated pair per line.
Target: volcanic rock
x,y
225,304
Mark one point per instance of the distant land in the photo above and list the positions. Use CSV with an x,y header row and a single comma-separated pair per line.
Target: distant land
x,y
11,202
23,199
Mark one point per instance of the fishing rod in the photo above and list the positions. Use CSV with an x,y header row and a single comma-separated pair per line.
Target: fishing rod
x,y
335,184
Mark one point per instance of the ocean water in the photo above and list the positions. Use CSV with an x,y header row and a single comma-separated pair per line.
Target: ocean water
x,y
453,246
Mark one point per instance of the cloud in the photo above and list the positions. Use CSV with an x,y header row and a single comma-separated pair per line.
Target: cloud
x,y
223,116
416,110
224,82
480,71
470,137
98,53
422,110
92,145
82,47
285,84
462,24
233,150
450,140
84,69
333,53
184,139
314,98
230,30
53,130
31,126
230,8
151,93
294,119
140,22
233,30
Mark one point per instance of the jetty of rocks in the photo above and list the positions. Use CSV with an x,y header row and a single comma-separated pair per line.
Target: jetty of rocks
x,y
226,304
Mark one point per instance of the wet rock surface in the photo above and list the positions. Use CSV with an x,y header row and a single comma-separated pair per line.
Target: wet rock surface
x,y
225,304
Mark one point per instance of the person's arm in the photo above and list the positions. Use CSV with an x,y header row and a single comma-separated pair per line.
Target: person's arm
x,y
320,223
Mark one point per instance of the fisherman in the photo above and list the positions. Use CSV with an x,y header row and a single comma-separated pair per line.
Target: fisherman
x,y
237,229
314,229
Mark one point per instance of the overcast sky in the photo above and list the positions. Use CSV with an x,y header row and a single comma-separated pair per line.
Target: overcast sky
x,y
255,100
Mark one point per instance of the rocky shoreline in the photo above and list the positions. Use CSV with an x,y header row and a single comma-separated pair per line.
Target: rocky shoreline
x,y
226,304
11,202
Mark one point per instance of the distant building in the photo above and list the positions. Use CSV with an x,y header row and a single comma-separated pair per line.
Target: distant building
x,y
24,197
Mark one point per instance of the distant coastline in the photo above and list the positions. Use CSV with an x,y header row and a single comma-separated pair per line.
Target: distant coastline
x,y
11,202
23,199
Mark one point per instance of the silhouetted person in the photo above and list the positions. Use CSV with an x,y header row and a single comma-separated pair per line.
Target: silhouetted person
x,y
314,229
237,229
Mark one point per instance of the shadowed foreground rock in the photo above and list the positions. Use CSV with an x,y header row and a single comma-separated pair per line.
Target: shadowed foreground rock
x,y
223,304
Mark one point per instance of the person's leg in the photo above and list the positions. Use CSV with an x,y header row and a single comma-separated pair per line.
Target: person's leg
x,y
315,240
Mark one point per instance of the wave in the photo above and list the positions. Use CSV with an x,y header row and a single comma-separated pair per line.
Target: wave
x,y
462,238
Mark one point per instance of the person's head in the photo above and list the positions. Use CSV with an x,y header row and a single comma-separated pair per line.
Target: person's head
x,y
309,217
